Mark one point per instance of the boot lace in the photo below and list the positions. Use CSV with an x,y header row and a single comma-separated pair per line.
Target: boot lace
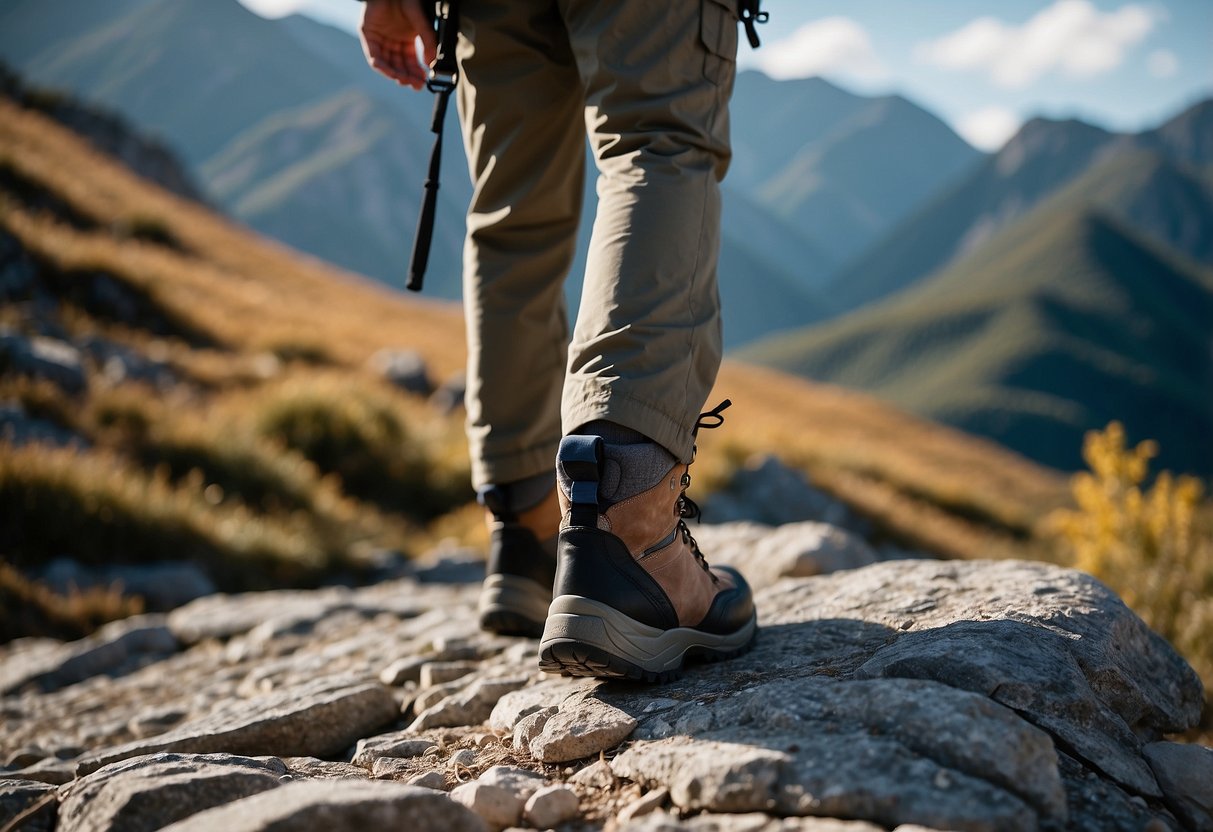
x,y
687,508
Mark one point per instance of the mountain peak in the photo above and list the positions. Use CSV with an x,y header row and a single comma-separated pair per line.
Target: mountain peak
x,y
1053,138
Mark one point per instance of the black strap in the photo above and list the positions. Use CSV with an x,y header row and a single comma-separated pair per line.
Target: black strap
x,y
751,14
443,77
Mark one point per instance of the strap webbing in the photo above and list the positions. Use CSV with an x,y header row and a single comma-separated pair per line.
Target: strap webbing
x,y
580,459
443,77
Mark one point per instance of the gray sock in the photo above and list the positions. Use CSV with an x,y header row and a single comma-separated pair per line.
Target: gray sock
x,y
632,462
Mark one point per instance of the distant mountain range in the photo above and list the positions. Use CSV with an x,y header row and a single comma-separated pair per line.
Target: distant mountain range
x,y
286,128
1095,305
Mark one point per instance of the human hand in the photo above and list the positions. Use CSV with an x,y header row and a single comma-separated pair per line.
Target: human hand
x,y
389,33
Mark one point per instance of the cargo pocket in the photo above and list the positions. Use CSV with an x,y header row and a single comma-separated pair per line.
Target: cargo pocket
x,y
718,33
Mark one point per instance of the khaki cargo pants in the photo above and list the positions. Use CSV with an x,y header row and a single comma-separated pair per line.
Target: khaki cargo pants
x,y
649,83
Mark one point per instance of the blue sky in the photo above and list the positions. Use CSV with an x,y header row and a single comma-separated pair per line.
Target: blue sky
x,y
985,67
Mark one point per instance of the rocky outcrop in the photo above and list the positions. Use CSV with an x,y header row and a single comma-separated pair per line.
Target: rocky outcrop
x,y
912,694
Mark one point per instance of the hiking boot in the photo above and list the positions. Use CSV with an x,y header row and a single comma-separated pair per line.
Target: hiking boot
x,y
521,568
634,596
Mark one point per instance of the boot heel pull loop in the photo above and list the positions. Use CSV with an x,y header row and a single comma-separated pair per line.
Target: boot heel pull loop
x,y
580,458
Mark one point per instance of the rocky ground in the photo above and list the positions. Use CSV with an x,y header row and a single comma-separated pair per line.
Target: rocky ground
x,y
904,694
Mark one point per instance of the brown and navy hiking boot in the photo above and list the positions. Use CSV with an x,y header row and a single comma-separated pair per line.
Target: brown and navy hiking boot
x,y
634,596
521,567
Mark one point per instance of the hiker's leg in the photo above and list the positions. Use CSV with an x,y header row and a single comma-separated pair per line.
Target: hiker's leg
x,y
647,344
520,106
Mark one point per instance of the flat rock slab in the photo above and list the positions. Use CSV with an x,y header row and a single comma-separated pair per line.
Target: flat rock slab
x,y
1016,654
303,722
147,793
108,650
956,695
325,805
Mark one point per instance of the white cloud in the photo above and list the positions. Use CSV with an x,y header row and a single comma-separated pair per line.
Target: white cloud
x,y
273,8
1071,36
988,128
1162,63
836,46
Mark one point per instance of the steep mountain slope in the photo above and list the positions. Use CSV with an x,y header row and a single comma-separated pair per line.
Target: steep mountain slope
x,y
1044,157
1060,323
865,174
1040,158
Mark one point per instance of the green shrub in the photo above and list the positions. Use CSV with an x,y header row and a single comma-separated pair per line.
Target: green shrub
x,y
360,433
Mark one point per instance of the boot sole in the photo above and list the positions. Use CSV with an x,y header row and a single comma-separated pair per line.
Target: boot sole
x,y
513,606
583,637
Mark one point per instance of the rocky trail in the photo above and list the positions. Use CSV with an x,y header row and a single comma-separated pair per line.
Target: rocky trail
x,y
904,694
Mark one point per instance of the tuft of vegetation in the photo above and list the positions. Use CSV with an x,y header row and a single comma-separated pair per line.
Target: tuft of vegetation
x,y
33,608
365,436
1152,545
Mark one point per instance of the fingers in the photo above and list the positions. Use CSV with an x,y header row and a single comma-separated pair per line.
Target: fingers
x,y
394,60
421,25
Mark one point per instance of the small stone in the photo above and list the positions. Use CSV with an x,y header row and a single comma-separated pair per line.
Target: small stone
x,y
529,727
390,768
483,740
597,775
550,806
430,780
517,704
522,781
463,757
585,729
644,804
404,368
471,706
401,671
429,697
497,806
400,744
311,768
439,673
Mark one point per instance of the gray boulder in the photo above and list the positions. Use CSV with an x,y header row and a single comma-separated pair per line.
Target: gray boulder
x,y
767,491
148,793
310,721
795,550
323,806
404,368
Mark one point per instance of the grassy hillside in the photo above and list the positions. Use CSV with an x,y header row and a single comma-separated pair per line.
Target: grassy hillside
x,y
275,455
1061,323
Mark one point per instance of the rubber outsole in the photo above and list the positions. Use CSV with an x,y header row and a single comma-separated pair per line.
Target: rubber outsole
x,y
587,638
513,606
